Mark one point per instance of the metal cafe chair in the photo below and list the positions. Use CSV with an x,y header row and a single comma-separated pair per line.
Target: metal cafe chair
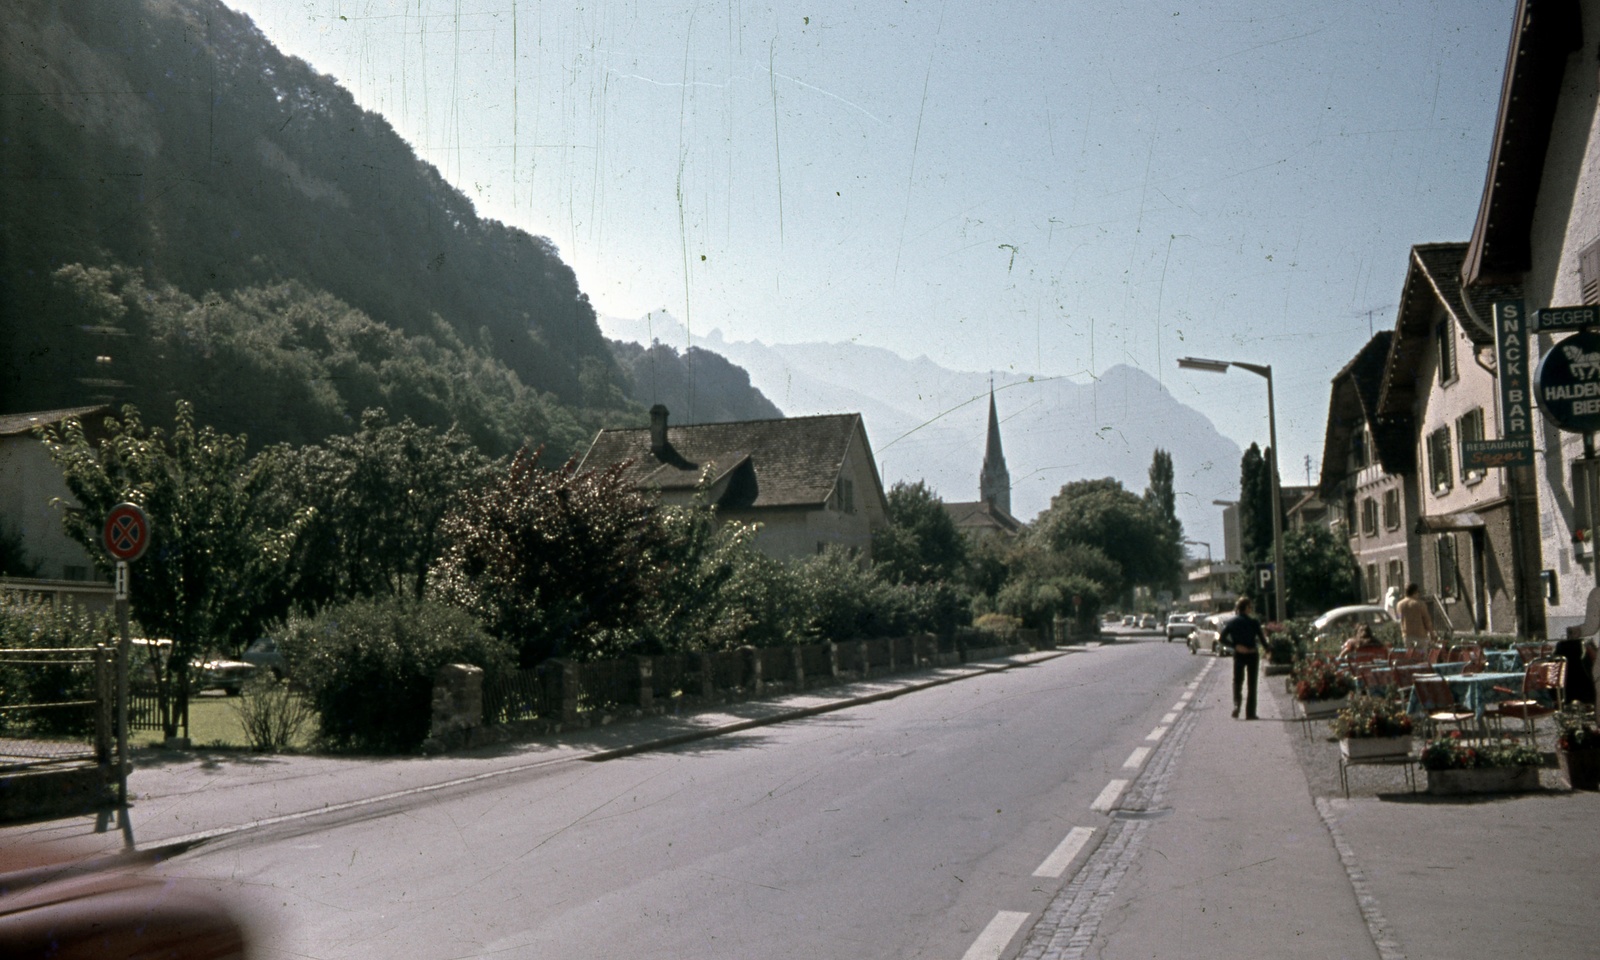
x,y
1543,685
1439,704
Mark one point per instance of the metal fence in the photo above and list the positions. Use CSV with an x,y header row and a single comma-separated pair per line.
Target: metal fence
x,y
55,705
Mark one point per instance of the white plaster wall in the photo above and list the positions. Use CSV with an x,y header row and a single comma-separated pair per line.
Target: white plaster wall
x,y
29,481
1566,219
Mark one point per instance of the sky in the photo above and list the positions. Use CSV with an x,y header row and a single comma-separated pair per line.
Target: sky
x,y
1048,187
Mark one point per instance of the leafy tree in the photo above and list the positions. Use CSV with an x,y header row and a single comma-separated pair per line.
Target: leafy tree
x,y
921,543
557,562
1161,499
1255,506
1322,571
216,553
1043,579
379,497
1121,525
14,560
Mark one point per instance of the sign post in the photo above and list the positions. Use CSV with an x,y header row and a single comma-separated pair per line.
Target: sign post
x,y
126,535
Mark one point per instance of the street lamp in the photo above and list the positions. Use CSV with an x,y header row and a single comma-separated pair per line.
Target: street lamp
x,y
1264,371
1201,543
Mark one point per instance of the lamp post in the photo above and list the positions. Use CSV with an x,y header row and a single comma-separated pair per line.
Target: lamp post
x,y
1201,543
1265,372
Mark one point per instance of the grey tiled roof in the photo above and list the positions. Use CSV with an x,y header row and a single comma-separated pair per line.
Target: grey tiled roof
x,y
796,459
982,513
1441,265
18,424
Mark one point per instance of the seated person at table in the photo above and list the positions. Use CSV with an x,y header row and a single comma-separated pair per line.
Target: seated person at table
x,y
1363,643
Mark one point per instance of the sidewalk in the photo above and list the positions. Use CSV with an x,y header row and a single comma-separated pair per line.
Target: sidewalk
x,y
182,797
1253,851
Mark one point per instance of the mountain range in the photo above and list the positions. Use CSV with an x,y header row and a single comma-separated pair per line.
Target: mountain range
x,y
929,423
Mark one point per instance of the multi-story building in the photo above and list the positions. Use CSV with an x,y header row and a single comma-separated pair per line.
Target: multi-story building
x,y
1369,476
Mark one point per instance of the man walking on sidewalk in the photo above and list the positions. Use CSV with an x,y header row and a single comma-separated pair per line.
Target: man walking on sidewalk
x,y
1243,633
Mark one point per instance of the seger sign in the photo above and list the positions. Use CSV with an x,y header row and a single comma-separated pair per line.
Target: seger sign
x,y
1567,383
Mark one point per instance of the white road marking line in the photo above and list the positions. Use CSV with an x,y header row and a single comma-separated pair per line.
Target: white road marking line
x,y
1135,758
1056,864
1108,796
1157,733
1179,705
1186,695
994,938
1170,718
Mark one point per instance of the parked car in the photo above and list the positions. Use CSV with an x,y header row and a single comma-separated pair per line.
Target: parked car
x,y
229,676
1129,620
1147,622
1207,635
264,653
1340,622
1179,625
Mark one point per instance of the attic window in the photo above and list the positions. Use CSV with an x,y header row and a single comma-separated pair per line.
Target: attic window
x,y
1589,272
1444,338
845,496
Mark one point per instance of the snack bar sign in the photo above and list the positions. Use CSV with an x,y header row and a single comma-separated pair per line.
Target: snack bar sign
x,y
1514,448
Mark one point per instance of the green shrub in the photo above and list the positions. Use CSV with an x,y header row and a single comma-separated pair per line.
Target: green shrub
x,y
368,667
273,717
34,625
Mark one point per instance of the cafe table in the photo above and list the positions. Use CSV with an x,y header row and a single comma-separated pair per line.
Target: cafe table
x,y
1477,691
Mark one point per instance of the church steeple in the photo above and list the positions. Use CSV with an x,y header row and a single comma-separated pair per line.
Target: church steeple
x,y
994,482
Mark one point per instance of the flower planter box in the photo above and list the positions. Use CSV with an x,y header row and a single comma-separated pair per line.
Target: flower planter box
x,y
1276,669
1449,783
1580,768
1374,748
1322,709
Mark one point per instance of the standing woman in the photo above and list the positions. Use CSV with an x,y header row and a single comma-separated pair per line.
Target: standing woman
x,y
1244,634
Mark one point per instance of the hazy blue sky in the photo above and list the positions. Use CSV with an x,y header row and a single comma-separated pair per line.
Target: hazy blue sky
x,y
1050,187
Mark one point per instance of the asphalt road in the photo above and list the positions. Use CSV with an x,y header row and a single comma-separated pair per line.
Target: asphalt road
x,y
903,828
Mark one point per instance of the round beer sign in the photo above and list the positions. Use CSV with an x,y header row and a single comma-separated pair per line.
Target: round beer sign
x,y
1567,383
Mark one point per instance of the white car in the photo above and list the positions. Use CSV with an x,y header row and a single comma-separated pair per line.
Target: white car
x,y
1341,622
1207,636
1179,625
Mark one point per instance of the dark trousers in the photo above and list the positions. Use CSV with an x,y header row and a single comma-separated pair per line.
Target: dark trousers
x,y
1245,665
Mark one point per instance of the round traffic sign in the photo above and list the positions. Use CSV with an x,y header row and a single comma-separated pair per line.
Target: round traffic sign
x,y
1567,383
127,532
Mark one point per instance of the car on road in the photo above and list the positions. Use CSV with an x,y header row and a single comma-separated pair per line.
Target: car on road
x,y
1147,622
1129,620
1207,635
1340,622
1179,625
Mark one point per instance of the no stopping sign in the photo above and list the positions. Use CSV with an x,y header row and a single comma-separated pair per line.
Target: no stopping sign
x,y
127,532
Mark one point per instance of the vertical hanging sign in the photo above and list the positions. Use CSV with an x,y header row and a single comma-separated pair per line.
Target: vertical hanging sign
x,y
1515,446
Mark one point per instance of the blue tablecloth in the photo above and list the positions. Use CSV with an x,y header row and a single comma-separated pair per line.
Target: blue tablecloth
x,y
1477,691
1503,660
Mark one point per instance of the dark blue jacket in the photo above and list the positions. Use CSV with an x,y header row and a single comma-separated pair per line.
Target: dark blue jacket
x,y
1243,631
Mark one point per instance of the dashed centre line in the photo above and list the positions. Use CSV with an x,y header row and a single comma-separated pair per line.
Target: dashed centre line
x,y
1170,718
1109,796
992,941
1136,758
1157,733
1056,864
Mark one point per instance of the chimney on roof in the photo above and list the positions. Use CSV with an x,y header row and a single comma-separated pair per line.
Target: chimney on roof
x,y
658,431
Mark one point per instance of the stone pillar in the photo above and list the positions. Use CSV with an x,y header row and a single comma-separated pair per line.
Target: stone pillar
x,y
561,688
647,685
833,660
752,670
892,642
799,667
457,699
864,657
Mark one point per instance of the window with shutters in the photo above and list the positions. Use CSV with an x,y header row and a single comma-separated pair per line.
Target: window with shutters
x,y
1440,467
1589,272
1469,426
1444,336
1397,574
1369,517
1391,509
1372,583
1446,552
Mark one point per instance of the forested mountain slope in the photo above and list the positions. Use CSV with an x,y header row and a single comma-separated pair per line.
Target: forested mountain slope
x,y
187,212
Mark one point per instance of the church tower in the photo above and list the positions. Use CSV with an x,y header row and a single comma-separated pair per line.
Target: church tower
x,y
994,482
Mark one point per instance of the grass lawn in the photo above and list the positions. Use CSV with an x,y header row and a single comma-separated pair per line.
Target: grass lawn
x,y
214,722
